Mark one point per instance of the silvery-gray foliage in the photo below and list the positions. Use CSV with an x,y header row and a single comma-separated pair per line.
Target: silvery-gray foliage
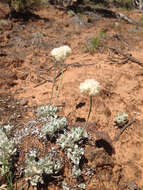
x,y
29,129
75,154
76,171
47,111
65,186
54,125
7,128
69,142
78,134
7,150
120,119
68,139
82,186
34,170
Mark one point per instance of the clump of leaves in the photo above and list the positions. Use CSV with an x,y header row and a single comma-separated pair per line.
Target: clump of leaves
x,y
70,142
54,125
7,151
47,111
120,119
36,168
69,139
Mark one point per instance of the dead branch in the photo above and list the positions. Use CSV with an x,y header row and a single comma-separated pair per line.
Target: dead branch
x,y
109,13
127,56
123,129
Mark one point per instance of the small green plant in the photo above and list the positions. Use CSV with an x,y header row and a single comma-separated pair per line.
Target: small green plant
x,y
92,44
95,42
38,170
140,20
102,34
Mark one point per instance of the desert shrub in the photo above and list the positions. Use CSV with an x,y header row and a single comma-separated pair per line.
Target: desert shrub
x,y
23,6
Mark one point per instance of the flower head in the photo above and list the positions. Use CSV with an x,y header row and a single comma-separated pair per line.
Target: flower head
x,y
90,87
61,53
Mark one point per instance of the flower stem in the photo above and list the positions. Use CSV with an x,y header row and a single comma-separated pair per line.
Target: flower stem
x,y
54,83
90,108
60,83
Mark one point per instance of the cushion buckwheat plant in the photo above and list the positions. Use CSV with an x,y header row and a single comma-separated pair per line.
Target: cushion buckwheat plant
x,y
61,53
47,111
54,125
120,119
90,87
7,150
69,142
36,169
69,139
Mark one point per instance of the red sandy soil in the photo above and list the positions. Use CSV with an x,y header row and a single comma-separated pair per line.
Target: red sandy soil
x,y
25,63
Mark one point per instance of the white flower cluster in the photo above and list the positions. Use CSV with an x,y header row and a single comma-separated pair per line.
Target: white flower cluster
x,y
90,87
61,53
120,119
55,124
46,111
68,142
7,149
35,170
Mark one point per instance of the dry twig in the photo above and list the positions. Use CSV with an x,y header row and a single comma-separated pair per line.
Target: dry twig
x,y
123,129
60,72
127,56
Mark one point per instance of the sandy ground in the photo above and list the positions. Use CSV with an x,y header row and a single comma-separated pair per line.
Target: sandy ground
x,y
26,64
